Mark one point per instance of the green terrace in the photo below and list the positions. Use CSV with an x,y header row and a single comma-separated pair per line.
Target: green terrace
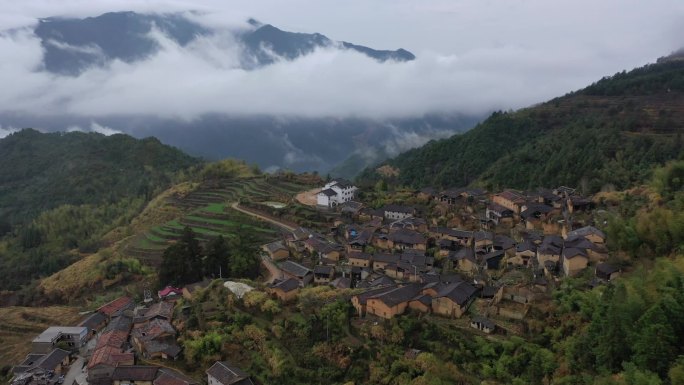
x,y
209,215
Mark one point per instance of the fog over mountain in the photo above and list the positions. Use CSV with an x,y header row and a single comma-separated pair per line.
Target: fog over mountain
x,y
320,83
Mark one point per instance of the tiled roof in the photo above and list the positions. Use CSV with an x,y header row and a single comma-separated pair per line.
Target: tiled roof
x,y
135,373
93,320
109,356
407,237
287,285
113,338
459,292
323,270
294,268
168,376
112,308
228,374
399,295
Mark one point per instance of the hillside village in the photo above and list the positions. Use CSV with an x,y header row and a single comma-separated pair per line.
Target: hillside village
x,y
481,260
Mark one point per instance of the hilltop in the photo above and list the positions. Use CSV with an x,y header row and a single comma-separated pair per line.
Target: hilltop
x,y
40,171
611,133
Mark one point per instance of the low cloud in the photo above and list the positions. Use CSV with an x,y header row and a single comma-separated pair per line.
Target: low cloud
x,y
468,71
95,127
4,131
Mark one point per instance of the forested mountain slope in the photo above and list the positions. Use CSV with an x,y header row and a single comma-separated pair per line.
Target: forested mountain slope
x,y
610,133
42,171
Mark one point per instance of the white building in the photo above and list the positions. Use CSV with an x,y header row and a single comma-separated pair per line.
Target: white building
x,y
336,192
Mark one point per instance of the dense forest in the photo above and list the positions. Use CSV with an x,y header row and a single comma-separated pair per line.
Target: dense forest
x,y
60,193
41,171
608,135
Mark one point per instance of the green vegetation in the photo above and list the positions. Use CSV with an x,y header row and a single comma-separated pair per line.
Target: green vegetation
x,y
40,171
186,261
610,134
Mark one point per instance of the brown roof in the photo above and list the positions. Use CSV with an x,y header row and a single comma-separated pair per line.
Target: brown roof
x,y
513,196
114,338
407,237
116,306
109,356
135,373
228,374
167,376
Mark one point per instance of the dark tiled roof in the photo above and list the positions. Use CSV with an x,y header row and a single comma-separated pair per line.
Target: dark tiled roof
x,y
121,322
359,255
168,376
513,196
586,231
52,359
328,192
382,281
287,285
407,237
498,208
572,252
343,183
504,242
341,283
424,299
459,292
275,246
135,373
324,270
484,322
606,268
363,297
93,320
389,258
294,268
399,209
228,374
399,295
483,235
526,246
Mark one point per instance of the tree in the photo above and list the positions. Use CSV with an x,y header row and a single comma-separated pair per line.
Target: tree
x,y
182,261
244,255
216,260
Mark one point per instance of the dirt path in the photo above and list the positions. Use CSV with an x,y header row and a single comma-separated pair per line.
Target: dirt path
x,y
236,206
308,197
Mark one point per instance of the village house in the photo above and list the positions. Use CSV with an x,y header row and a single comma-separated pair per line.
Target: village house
x,y
335,193
482,324
166,376
276,250
466,260
380,261
453,299
393,302
134,375
321,248
323,274
359,259
406,239
450,196
574,261
155,339
285,290
116,307
72,336
591,233
104,361
410,223
492,260
483,240
511,200
160,310
499,214
360,240
525,253
225,373
396,212
291,269
360,301
422,303
56,361
426,194
169,293
534,215
94,322
606,272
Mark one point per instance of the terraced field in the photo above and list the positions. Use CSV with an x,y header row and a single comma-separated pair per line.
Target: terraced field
x,y
208,213
19,325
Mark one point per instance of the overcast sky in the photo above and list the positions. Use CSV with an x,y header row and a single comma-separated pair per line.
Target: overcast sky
x,y
473,56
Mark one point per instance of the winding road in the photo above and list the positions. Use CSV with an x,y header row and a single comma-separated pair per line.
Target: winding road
x,y
236,206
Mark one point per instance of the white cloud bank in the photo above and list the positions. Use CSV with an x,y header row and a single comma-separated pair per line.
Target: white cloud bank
x,y
473,56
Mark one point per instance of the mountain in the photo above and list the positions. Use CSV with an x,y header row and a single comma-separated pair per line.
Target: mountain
x,y
40,171
610,134
73,45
